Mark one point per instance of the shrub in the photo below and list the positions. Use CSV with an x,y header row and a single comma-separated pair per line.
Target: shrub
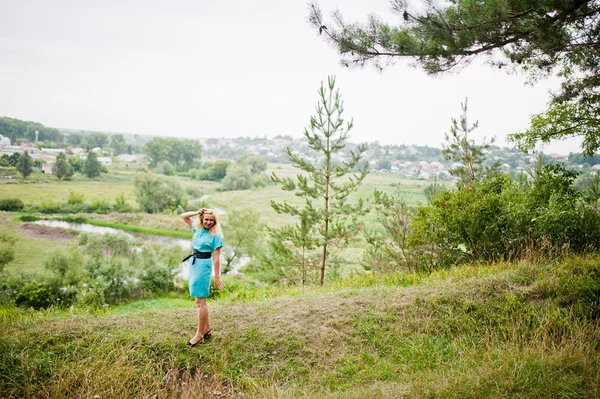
x,y
28,218
157,276
496,219
75,198
100,206
11,204
38,294
50,207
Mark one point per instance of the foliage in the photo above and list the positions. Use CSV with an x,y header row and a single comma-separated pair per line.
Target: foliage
x,y
434,189
97,139
244,235
38,294
7,250
91,167
497,219
25,164
182,154
461,148
165,168
256,163
390,251
121,204
157,275
75,198
154,194
214,170
238,177
541,38
117,142
61,168
577,158
477,331
17,129
77,163
11,204
10,160
592,193
329,182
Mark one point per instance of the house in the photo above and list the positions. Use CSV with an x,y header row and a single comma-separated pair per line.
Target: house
x,y
105,160
76,151
96,149
4,141
47,168
53,151
126,157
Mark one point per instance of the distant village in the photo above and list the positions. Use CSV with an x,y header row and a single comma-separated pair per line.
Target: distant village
x,y
47,156
409,161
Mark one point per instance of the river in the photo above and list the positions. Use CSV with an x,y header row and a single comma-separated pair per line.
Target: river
x,y
163,240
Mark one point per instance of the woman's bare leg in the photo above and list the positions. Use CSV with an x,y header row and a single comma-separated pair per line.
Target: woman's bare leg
x,y
203,325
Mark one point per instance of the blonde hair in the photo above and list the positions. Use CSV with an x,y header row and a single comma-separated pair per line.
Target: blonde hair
x,y
216,227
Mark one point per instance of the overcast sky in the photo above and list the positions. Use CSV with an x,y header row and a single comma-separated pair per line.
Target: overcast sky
x,y
199,69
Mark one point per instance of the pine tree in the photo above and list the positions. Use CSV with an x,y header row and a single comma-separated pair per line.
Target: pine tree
x,y
462,148
329,182
539,38
91,167
62,168
25,164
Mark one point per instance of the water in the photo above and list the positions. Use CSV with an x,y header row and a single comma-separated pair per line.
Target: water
x,y
186,244
89,228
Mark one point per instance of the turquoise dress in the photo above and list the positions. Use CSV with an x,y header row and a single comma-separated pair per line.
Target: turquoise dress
x,y
200,271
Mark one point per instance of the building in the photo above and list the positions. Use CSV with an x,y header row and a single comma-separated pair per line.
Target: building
x,y
54,151
4,141
126,157
105,160
47,168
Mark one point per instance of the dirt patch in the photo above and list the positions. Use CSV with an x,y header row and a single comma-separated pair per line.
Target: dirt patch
x,y
46,233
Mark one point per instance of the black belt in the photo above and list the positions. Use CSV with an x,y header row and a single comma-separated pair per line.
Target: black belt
x,y
198,255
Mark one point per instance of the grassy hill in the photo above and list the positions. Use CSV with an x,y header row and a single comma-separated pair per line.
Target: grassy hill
x,y
526,330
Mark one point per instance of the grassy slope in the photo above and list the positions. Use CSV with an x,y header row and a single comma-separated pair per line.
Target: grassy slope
x,y
493,331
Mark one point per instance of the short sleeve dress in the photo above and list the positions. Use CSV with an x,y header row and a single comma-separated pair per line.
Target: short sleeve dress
x,y
201,269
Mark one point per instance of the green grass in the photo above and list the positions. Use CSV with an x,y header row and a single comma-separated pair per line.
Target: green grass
x,y
104,188
477,331
29,251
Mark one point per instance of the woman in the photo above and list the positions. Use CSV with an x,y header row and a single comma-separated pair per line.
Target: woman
x,y
207,243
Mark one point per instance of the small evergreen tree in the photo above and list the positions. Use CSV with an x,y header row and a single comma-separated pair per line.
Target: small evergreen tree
x,y
91,167
62,168
25,164
461,148
329,182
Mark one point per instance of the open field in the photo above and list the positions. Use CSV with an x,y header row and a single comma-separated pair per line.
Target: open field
x,y
29,250
108,187
476,331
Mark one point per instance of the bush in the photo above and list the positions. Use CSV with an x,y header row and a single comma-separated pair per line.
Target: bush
x,y
75,198
50,207
11,204
100,206
28,218
165,168
38,294
498,220
237,178
155,194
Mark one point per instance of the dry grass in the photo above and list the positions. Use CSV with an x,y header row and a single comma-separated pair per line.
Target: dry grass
x,y
497,331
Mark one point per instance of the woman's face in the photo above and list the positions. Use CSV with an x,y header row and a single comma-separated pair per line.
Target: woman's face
x,y
208,221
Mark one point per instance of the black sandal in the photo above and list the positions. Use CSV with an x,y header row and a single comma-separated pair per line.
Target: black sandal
x,y
208,333
200,341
